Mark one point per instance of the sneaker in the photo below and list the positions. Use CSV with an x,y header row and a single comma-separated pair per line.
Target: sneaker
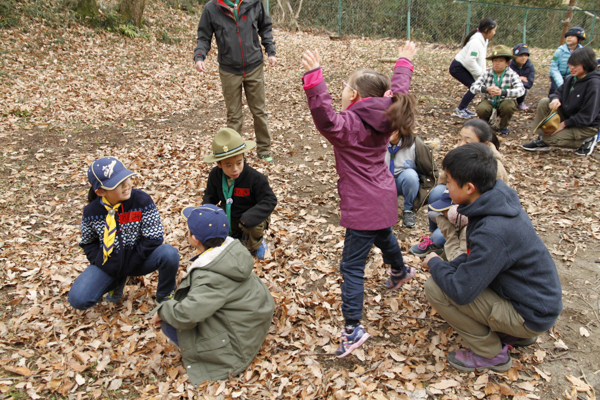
x,y
115,295
587,147
262,249
503,131
170,296
351,340
461,113
523,106
469,112
517,341
425,247
408,219
536,144
398,278
466,360
266,157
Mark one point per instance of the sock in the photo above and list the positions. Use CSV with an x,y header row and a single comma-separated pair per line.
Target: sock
x,y
351,324
399,273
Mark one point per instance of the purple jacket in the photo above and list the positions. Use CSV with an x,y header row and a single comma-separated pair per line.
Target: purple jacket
x,y
359,135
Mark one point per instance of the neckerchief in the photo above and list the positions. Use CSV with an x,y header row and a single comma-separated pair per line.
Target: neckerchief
x,y
574,80
228,192
110,229
234,6
498,82
393,149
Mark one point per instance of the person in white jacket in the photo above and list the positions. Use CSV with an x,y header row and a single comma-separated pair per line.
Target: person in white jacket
x,y
469,63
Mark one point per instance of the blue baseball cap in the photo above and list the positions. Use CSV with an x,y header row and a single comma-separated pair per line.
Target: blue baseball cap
x,y
444,203
206,222
107,173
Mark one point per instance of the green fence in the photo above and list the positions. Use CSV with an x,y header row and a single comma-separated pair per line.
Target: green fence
x,y
443,21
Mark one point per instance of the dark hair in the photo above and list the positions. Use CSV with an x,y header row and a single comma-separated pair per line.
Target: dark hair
x,y
401,114
474,163
214,242
584,57
483,131
485,25
508,59
92,195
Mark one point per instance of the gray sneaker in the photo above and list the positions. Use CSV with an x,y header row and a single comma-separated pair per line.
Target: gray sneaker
x,y
536,144
408,219
587,147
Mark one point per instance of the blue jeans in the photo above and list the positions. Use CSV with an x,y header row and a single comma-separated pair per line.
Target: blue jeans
x,y
93,283
169,332
407,185
357,245
436,234
463,75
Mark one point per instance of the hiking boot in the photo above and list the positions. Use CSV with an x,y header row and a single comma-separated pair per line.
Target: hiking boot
x,y
523,106
262,249
170,296
517,341
536,145
466,360
503,131
587,147
461,113
115,295
469,112
267,158
352,339
408,219
398,278
425,247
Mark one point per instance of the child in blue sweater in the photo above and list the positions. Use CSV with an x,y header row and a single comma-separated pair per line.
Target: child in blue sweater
x,y
505,289
121,235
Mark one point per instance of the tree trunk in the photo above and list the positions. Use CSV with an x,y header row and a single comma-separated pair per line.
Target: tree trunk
x,y
132,11
87,8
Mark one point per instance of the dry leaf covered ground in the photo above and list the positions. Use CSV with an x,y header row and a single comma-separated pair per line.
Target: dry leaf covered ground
x,y
75,95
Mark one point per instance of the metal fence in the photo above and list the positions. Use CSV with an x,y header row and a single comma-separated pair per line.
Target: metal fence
x,y
442,21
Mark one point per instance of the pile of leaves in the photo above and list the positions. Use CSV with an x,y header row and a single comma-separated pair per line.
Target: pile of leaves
x,y
93,94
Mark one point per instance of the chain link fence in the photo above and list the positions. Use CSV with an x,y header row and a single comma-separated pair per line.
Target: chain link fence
x,y
442,21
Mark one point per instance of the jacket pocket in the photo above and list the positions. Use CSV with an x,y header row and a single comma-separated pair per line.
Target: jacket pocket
x,y
502,318
217,353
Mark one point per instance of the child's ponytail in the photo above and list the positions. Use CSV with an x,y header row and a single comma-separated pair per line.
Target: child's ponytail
x,y
402,114
485,25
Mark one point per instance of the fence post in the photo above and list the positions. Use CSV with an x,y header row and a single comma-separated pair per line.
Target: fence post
x,y
268,11
340,18
525,26
408,21
468,19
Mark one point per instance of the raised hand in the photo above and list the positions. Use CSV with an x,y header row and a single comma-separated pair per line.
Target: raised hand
x,y
311,60
408,50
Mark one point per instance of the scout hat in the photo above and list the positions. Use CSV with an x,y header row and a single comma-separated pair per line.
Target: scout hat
x,y
107,173
228,143
521,48
206,222
576,31
549,123
444,203
501,51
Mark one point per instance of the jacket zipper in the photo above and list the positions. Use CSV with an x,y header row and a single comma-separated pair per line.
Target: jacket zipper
x,y
239,36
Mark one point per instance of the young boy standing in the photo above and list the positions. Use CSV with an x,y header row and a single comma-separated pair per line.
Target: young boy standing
x,y
524,68
500,86
221,312
243,192
505,289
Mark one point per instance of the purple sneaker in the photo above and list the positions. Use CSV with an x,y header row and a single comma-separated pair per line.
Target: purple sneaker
x,y
398,278
466,360
351,341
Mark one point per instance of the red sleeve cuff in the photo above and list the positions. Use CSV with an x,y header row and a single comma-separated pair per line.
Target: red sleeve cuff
x,y
312,78
404,62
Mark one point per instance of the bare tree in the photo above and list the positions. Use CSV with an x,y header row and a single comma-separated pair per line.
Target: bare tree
x,y
132,11
87,8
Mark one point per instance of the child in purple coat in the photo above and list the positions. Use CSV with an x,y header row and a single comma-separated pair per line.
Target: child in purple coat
x,y
368,200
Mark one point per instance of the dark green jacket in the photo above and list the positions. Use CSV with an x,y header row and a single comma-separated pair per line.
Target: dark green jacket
x,y
222,312
427,170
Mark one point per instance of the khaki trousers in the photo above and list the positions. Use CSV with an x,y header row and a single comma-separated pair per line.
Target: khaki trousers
x,y
482,322
254,234
254,87
572,137
456,240
505,111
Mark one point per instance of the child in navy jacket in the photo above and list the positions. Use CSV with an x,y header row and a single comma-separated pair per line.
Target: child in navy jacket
x,y
522,65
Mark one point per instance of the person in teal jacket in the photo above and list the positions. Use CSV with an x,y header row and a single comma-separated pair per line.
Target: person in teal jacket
x,y
221,312
559,69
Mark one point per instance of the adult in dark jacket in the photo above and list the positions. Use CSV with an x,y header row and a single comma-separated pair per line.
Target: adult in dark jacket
x,y
506,283
522,65
236,27
577,101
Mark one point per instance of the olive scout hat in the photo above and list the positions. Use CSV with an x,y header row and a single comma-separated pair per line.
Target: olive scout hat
x,y
550,122
501,51
576,31
228,143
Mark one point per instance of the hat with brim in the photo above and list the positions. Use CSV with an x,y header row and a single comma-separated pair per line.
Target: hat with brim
x,y
444,203
107,173
550,123
228,143
520,49
206,222
501,51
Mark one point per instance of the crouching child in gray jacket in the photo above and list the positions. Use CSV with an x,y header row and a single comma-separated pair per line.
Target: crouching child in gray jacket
x,y
221,312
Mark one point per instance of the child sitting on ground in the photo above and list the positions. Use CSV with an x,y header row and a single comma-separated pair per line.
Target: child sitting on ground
x,y
505,289
522,65
501,86
121,235
243,192
221,312
559,66
368,200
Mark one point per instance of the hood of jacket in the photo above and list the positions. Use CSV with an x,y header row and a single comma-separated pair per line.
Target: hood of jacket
x,y
371,111
235,268
243,5
500,201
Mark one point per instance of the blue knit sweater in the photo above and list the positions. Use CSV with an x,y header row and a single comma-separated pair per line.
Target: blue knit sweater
x,y
139,233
